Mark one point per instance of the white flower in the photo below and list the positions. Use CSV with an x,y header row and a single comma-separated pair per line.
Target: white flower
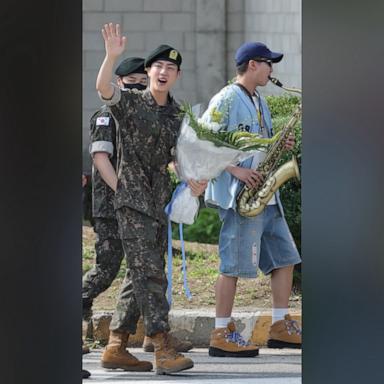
x,y
212,126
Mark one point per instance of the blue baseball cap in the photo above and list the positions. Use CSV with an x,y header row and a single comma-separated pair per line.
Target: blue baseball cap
x,y
249,51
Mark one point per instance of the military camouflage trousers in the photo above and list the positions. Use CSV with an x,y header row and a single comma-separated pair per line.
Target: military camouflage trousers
x,y
144,289
109,255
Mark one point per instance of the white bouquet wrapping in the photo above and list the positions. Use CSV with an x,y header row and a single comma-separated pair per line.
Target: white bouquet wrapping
x,y
184,207
202,152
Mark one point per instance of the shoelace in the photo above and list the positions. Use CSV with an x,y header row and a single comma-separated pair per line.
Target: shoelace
x,y
293,327
235,337
171,350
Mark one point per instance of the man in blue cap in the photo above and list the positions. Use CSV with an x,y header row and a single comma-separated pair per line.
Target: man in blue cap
x,y
248,244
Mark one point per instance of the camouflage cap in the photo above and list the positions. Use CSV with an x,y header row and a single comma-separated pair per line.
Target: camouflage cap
x,y
130,65
164,52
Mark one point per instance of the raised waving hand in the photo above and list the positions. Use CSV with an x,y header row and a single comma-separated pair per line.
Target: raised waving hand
x,y
114,47
114,41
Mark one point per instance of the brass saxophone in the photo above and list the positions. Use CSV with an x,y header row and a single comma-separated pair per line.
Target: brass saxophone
x,y
252,201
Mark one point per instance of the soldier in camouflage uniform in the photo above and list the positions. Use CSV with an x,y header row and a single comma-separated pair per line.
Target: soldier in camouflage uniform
x,y
149,122
109,250
108,247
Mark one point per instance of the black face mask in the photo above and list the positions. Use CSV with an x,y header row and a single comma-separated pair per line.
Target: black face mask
x,y
140,87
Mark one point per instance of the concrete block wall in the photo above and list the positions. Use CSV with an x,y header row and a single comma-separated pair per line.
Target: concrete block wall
x,y
146,23
235,22
277,23
207,33
193,325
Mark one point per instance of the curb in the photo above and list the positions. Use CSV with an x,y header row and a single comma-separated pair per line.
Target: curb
x,y
194,325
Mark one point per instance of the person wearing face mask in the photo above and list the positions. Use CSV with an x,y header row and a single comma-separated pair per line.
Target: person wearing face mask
x,y
103,148
131,74
247,244
149,123
104,151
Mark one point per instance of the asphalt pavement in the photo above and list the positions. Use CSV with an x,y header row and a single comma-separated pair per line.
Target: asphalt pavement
x,y
272,366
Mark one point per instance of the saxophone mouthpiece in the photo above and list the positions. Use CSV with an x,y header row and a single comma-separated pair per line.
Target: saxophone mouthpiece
x,y
279,84
275,81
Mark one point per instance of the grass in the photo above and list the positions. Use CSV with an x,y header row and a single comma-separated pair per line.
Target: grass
x,y
202,272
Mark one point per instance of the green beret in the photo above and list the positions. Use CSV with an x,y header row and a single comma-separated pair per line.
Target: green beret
x,y
163,52
130,65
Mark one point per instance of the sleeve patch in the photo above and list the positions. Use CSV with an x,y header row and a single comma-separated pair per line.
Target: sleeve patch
x,y
103,120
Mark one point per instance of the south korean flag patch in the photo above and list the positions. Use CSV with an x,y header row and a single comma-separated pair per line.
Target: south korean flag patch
x,y
103,120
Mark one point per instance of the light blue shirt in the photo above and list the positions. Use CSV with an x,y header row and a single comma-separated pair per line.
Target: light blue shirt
x,y
238,112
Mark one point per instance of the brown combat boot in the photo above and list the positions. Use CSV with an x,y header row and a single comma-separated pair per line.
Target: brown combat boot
x,y
167,360
116,356
86,326
285,334
226,342
174,342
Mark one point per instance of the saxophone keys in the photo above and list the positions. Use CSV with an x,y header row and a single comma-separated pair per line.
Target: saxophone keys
x,y
264,192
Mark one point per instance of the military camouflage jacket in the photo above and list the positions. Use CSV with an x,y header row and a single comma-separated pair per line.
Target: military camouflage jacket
x,y
102,139
147,134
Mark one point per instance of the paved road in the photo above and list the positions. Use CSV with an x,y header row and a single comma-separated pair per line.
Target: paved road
x,y
272,366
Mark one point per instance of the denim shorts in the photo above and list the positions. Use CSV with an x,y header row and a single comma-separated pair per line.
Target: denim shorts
x,y
262,242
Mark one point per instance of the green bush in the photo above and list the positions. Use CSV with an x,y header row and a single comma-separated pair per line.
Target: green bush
x,y
281,108
205,229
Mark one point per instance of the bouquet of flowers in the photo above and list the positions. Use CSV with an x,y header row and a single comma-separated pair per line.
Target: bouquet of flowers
x,y
203,151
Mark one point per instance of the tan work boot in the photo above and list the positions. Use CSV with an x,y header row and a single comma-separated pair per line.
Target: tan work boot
x,y
285,334
174,342
116,356
167,360
226,342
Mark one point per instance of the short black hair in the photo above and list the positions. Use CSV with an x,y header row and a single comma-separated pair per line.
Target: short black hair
x,y
242,68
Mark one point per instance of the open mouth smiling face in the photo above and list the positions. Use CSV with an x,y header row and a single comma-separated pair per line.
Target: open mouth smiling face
x,y
163,74
162,81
